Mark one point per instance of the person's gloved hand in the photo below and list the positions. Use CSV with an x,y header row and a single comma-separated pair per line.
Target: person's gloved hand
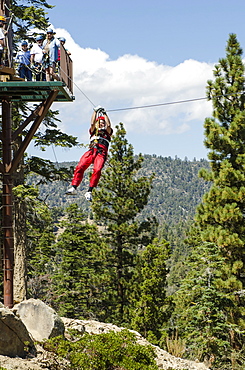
x,y
98,108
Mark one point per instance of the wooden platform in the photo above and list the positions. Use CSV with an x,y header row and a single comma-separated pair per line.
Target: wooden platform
x,y
20,90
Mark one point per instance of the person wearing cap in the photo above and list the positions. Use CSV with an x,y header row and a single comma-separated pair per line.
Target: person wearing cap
x,y
37,59
50,51
62,41
100,136
24,59
2,37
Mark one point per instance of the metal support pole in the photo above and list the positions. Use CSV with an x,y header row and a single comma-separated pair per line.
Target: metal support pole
x,y
7,206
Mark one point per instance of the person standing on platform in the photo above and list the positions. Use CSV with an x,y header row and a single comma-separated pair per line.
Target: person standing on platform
x,y
50,51
37,59
23,58
62,41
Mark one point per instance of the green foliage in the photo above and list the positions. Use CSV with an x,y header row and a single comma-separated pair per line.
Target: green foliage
x,y
105,351
78,279
211,299
56,137
40,238
27,15
221,214
150,309
175,193
176,188
47,170
202,307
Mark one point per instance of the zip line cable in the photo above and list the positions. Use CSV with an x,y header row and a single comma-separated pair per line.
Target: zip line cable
x,y
79,89
156,105
150,105
138,107
57,163
82,92
173,102
69,78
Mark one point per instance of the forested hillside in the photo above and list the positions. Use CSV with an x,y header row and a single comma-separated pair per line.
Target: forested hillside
x,y
176,192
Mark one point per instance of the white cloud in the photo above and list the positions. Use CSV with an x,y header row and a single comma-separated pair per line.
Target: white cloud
x,y
132,81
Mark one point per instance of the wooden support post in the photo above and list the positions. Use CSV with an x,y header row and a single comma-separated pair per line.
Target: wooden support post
x,y
40,116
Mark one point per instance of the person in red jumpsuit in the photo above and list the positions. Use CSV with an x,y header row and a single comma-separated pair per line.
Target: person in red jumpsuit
x,y
100,136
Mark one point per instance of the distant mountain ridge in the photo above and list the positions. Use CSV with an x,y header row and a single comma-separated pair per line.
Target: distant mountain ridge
x,y
177,189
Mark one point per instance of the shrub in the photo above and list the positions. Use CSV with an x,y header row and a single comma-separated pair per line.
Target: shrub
x,y
109,351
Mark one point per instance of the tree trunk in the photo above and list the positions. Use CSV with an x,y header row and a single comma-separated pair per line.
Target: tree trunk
x,y
20,279
120,288
19,227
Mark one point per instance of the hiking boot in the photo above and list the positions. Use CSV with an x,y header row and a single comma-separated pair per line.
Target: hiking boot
x,y
71,191
88,196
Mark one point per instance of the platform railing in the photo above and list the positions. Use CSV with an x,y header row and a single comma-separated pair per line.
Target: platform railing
x,y
66,69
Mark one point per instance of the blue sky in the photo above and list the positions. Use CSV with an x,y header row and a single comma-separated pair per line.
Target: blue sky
x,y
135,53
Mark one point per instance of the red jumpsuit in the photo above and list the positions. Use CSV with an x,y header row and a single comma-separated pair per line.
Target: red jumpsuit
x,y
97,155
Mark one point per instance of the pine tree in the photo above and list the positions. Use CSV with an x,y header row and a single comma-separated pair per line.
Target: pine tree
x,y
221,214
202,307
219,219
28,15
150,308
79,275
39,250
121,197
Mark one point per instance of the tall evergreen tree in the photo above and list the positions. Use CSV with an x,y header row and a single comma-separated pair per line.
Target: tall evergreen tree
x,y
39,250
120,198
202,307
150,308
79,274
220,216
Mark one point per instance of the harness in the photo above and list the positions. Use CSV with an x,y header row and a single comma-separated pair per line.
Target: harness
x,y
94,140
100,137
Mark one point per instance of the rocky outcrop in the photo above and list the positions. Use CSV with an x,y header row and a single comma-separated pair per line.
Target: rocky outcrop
x,y
19,364
40,320
15,340
33,318
164,359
